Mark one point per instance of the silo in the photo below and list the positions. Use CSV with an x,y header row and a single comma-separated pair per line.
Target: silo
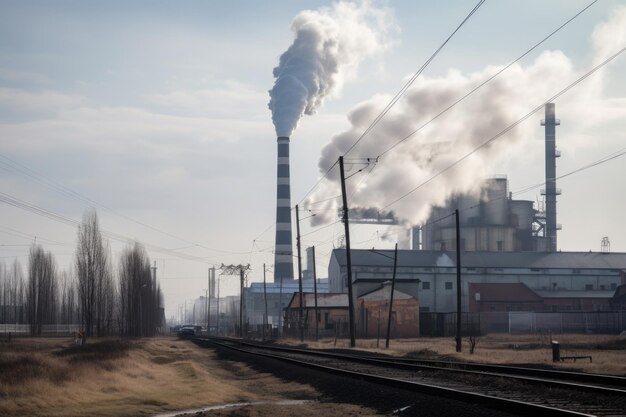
x,y
522,213
496,202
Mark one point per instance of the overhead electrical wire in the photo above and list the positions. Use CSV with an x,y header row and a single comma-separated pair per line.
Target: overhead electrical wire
x,y
479,86
508,128
604,159
68,192
472,91
23,205
406,86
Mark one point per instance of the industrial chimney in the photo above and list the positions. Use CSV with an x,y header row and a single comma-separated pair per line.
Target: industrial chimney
x,y
551,191
283,253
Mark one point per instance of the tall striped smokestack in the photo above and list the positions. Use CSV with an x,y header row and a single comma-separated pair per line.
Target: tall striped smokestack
x,y
283,253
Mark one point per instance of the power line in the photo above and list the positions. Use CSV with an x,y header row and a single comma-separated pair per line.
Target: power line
x,y
23,205
406,86
472,91
318,182
508,128
68,192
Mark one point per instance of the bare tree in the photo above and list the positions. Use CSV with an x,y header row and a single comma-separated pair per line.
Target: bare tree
x,y
68,304
93,274
41,291
140,295
12,293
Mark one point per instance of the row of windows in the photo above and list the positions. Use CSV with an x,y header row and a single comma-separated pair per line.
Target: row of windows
x,y
426,285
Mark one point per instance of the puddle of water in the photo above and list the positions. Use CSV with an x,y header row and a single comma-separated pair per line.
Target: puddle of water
x,y
231,405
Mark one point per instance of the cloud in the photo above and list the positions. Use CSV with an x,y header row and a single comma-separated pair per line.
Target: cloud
x,y
14,102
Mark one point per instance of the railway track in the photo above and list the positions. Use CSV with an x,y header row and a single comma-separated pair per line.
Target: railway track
x,y
524,391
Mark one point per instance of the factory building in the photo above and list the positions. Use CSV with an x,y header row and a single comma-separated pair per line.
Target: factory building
x,y
491,221
430,276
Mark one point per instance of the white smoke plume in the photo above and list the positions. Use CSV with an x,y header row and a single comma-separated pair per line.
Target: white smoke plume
x,y
484,114
328,47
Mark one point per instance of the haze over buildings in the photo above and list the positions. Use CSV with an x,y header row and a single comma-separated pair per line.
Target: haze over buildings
x,y
159,113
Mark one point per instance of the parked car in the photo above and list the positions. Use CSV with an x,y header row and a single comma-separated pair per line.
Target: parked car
x,y
186,331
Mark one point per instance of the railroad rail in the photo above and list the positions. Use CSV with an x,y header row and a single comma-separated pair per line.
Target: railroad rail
x,y
520,390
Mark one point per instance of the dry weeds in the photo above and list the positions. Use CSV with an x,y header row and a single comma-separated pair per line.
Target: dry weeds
x,y
607,351
50,377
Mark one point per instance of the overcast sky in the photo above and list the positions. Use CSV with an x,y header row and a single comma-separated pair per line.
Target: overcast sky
x,y
158,111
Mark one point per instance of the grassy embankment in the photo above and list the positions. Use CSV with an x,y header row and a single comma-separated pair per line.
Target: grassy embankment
x,y
120,377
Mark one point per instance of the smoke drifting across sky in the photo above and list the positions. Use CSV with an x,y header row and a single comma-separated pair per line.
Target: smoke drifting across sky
x,y
484,114
329,44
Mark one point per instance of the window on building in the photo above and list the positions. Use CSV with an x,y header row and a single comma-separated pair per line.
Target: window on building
x,y
448,285
500,245
492,308
613,286
462,243
554,308
575,271
588,287
426,285
509,308
424,309
602,287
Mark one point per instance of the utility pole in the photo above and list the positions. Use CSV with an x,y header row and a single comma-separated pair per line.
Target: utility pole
x,y
240,270
458,281
348,258
265,299
315,292
218,307
300,315
211,290
241,282
393,286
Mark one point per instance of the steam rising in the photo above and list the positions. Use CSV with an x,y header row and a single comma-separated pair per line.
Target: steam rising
x,y
483,115
329,44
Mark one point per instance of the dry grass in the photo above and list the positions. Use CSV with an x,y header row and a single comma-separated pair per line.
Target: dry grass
x,y
112,377
607,351
51,377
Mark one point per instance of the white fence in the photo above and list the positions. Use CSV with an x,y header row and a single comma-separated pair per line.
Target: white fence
x,y
46,329
564,322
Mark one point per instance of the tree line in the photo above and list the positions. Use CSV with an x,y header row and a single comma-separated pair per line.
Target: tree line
x,y
103,301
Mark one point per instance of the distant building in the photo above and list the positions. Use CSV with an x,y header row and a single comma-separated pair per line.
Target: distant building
x,y
499,297
278,296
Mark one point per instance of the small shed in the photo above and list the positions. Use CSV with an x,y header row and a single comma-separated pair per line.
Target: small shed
x,y
374,312
332,313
